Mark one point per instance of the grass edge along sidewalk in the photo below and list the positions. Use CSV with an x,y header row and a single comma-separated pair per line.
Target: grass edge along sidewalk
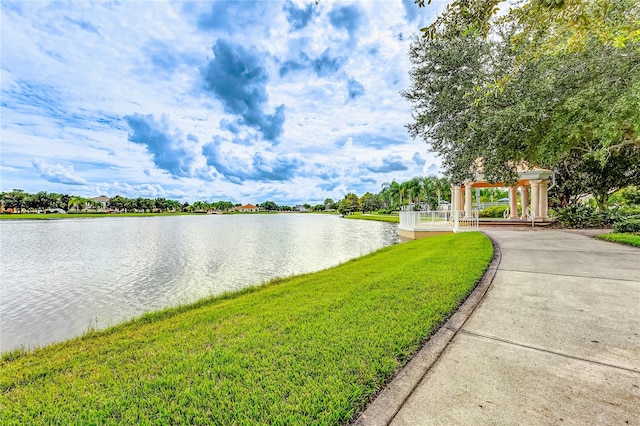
x,y
630,239
310,349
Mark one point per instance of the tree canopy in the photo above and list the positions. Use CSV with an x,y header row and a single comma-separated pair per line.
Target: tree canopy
x,y
548,81
544,25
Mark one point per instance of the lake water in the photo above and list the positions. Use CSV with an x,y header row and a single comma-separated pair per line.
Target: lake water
x,y
59,278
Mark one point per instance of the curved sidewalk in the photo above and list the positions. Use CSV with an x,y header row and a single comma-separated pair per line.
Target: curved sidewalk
x,y
555,340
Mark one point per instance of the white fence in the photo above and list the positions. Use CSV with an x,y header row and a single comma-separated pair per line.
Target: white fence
x,y
456,221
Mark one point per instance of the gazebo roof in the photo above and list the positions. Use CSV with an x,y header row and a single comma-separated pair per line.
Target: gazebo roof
x,y
526,173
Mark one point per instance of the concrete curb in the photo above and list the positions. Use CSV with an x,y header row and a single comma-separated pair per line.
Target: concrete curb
x,y
389,402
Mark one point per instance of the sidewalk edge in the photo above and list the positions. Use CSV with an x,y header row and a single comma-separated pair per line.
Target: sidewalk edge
x,y
388,403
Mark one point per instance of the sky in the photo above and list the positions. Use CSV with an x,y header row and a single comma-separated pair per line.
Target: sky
x,y
246,101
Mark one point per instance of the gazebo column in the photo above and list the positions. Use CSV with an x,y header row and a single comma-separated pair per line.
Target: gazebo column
x,y
468,204
513,202
460,205
524,196
535,199
455,192
543,208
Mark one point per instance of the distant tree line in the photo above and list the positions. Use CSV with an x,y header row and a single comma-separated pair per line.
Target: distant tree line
x,y
420,192
45,202
425,193
18,201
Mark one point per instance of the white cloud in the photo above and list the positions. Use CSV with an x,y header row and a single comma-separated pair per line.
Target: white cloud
x,y
57,173
71,73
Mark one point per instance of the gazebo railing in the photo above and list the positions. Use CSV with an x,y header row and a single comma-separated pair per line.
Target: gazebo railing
x,y
439,220
431,220
465,221
531,216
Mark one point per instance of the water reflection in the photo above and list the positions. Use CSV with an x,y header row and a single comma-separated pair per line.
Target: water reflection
x,y
61,277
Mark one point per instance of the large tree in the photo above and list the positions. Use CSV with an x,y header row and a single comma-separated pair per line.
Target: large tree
x,y
269,206
15,200
350,203
579,175
478,97
444,77
620,169
369,202
42,201
118,202
544,25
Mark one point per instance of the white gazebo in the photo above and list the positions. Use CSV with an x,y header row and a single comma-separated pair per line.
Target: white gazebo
x,y
533,184
533,181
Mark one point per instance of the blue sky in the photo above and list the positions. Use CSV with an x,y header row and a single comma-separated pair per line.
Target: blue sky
x,y
246,101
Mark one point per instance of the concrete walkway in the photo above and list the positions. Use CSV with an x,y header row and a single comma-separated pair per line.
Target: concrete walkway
x,y
555,340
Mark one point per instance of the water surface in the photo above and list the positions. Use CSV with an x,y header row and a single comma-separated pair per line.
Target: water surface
x,y
59,278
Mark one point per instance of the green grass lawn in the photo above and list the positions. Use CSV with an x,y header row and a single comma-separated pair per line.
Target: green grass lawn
x,y
630,239
375,216
311,349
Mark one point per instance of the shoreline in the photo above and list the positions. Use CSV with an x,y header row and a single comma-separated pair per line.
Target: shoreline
x,y
54,216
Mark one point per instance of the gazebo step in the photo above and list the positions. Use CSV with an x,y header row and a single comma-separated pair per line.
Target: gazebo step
x,y
510,222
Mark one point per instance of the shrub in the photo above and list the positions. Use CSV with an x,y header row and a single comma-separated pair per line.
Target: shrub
x,y
631,195
385,211
495,212
627,226
630,212
585,216
85,212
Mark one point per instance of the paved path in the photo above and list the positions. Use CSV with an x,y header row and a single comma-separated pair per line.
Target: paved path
x,y
555,340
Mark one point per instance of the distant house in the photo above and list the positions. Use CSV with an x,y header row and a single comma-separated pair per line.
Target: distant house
x,y
247,208
101,199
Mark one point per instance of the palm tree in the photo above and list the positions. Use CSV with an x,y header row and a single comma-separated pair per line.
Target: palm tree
x,y
414,189
77,202
396,191
444,189
427,186
393,191
385,194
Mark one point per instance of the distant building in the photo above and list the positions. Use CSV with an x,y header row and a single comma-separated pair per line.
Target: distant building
x,y
247,208
103,199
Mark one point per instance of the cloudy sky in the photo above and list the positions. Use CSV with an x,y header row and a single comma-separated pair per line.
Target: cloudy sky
x,y
291,101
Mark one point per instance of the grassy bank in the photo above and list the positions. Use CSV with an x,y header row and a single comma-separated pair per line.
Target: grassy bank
x,y
374,216
629,239
310,349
